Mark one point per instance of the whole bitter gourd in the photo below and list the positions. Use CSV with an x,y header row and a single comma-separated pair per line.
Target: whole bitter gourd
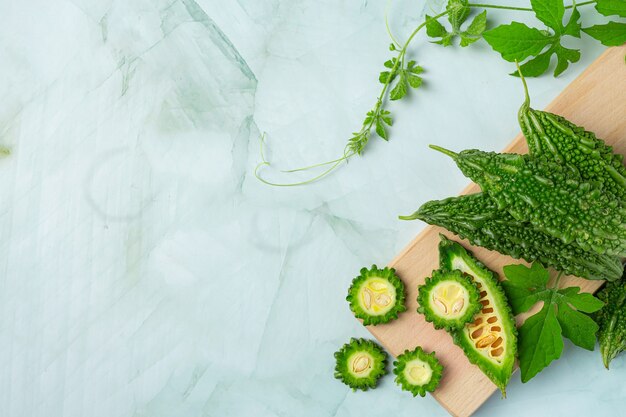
x,y
550,197
612,321
418,372
561,141
360,364
377,295
448,299
490,341
476,218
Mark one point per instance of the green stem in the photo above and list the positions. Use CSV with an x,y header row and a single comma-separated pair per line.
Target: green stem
x,y
445,151
522,9
526,96
558,279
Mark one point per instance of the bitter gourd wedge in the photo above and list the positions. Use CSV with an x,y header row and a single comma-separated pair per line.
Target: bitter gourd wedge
x,y
612,321
490,341
360,364
476,218
448,299
377,295
552,199
561,141
418,372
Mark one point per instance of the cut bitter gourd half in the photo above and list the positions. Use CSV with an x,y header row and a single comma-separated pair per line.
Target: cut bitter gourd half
x,y
417,371
490,341
448,299
360,364
377,295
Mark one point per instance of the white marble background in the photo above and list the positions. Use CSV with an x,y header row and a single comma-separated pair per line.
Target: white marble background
x,y
145,272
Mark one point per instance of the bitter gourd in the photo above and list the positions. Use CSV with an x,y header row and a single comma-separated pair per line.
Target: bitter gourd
x,y
448,299
418,372
476,218
612,321
377,295
490,341
562,141
360,364
552,199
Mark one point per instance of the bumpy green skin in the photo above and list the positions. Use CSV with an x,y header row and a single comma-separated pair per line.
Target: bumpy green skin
x,y
342,372
431,315
476,218
612,321
454,256
431,359
551,198
562,141
387,274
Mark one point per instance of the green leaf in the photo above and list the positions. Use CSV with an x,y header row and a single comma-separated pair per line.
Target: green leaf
x,y
573,26
380,129
577,327
550,12
385,117
611,7
564,57
525,286
458,11
400,89
434,29
517,41
390,63
540,342
384,77
414,80
611,34
414,68
584,302
478,25
536,66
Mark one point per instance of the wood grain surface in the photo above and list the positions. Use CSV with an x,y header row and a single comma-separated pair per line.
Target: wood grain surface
x,y
595,100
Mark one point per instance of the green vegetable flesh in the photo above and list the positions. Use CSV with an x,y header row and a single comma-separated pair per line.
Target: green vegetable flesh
x,y
561,141
448,299
477,218
377,295
418,372
612,321
549,196
360,364
490,341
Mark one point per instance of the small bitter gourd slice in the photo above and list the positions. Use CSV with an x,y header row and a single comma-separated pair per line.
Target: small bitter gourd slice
x,y
552,199
612,321
418,372
490,341
561,141
377,295
448,299
360,364
476,218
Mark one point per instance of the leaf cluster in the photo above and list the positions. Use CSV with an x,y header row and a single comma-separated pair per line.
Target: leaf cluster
x,y
458,12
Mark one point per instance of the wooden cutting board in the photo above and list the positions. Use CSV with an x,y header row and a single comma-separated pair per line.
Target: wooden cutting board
x,y
595,100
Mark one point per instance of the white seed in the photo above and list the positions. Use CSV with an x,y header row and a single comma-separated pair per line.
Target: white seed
x,y
378,286
367,299
360,364
441,306
383,300
458,305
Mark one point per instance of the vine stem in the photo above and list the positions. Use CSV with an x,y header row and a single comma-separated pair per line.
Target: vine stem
x,y
522,9
558,279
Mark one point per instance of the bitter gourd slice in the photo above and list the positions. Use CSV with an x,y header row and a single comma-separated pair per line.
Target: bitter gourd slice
x,y
490,341
476,218
448,299
360,364
551,198
562,141
612,321
377,295
418,372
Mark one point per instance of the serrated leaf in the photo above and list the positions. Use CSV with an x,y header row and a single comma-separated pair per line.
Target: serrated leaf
x,y
458,10
577,327
611,7
478,25
611,34
414,68
525,286
573,26
467,40
536,66
565,56
550,12
582,301
385,77
540,342
434,29
380,129
400,89
516,41
414,80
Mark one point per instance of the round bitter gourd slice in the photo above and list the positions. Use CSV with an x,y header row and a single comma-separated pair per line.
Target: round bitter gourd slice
x,y
449,299
360,364
376,296
417,371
